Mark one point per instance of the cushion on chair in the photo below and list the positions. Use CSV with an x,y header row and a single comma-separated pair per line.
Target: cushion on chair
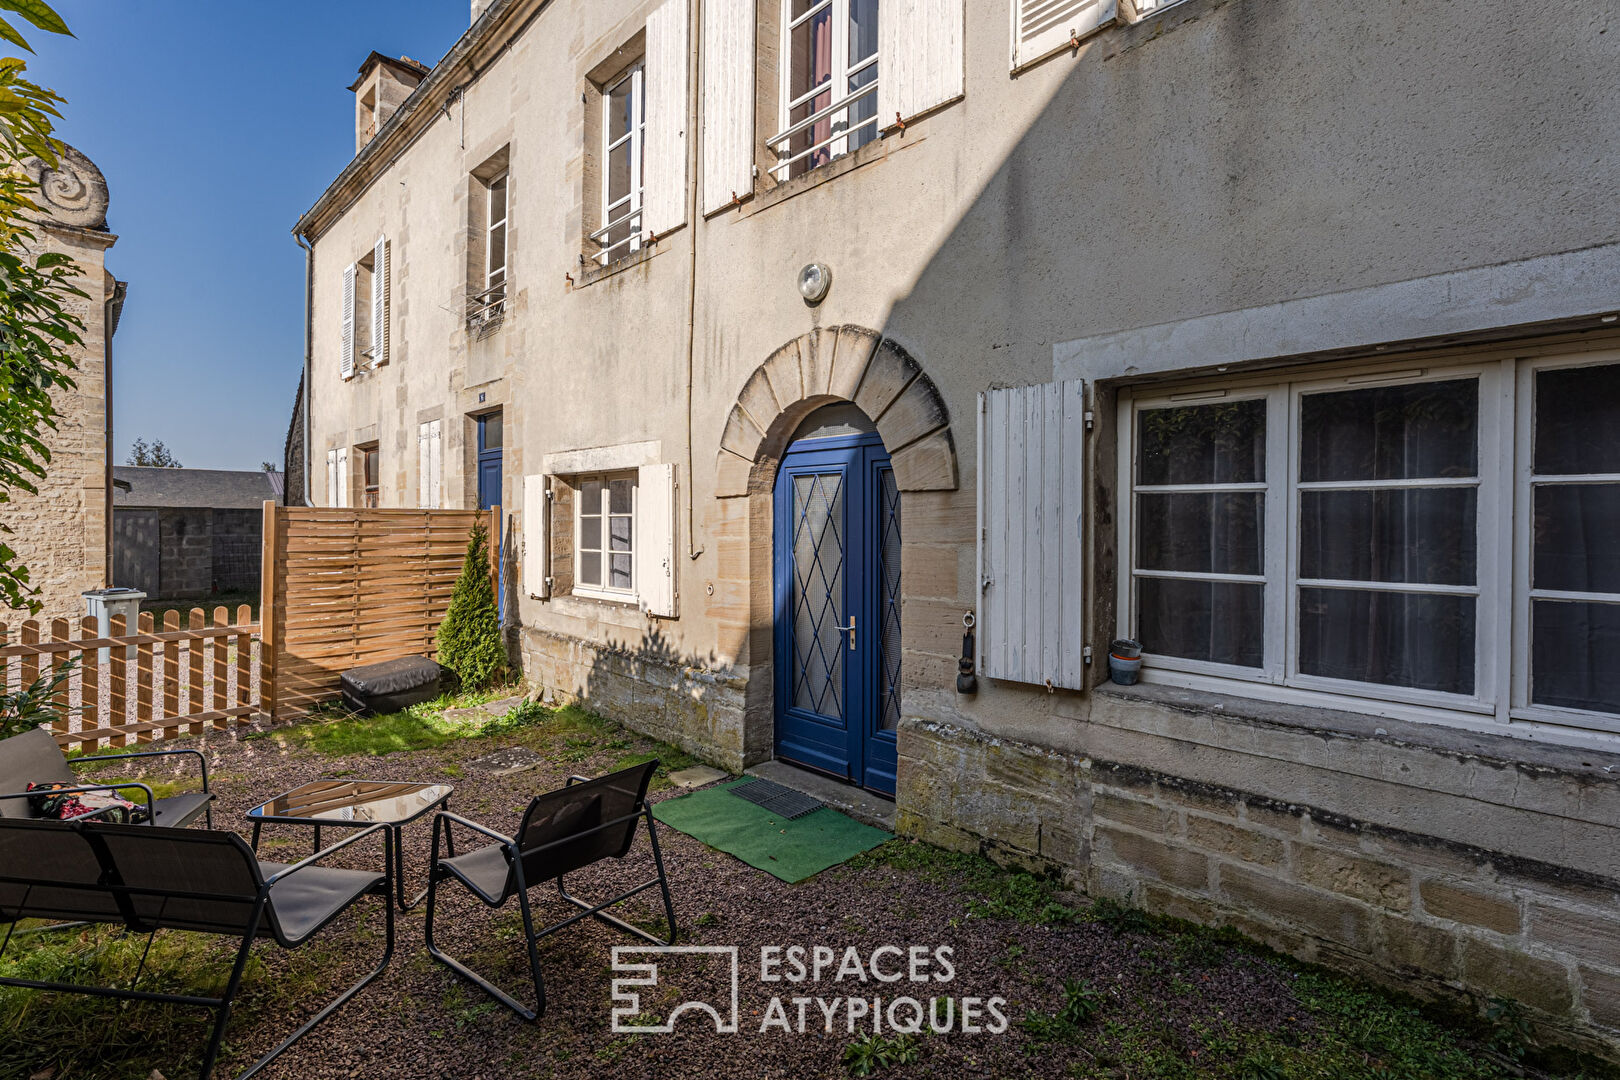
x,y
30,758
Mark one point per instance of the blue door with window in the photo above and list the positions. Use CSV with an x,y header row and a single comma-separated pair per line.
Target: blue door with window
x,y
490,439
837,605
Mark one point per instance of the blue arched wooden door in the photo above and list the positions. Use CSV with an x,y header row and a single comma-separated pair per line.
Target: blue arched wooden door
x,y
837,604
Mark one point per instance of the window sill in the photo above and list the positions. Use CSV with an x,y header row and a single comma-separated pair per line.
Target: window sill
x,y
872,152
621,616
591,275
1443,734
606,597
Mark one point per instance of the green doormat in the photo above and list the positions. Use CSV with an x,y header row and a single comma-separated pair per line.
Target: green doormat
x,y
792,850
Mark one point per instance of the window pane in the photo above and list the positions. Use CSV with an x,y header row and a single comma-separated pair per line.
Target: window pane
x,y
618,173
1577,538
811,54
497,200
590,497
619,496
1573,650
1217,533
619,532
1391,432
590,533
1578,421
1425,535
618,106
619,572
1422,640
1202,620
861,110
863,17
590,568
489,432
1223,443
497,248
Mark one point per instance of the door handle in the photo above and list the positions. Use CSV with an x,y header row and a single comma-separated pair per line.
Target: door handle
x,y
850,630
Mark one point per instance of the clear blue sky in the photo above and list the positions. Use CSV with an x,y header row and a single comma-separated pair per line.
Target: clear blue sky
x,y
217,122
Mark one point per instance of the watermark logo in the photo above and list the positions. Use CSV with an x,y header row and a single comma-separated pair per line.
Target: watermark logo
x,y
627,1013
890,988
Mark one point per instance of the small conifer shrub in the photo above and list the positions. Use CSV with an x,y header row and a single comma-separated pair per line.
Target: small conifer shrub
x,y
469,638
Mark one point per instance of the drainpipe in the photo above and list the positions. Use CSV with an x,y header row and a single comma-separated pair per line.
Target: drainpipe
x,y
692,208
309,350
111,312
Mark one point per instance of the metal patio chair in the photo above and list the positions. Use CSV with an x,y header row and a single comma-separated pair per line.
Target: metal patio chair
x,y
35,758
149,878
562,831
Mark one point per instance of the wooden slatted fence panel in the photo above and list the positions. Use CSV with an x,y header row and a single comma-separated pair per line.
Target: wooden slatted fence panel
x,y
349,586
167,667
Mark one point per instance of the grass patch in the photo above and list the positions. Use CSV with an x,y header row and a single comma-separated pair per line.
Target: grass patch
x,y
91,1038
421,727
995,892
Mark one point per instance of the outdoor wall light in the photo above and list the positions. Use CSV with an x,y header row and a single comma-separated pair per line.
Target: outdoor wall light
x,y
814,281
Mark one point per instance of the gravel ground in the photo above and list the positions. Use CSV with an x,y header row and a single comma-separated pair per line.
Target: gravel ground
x,y
419,1021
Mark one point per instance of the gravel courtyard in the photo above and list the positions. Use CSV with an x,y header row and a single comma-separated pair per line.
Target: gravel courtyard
x,y
1086,991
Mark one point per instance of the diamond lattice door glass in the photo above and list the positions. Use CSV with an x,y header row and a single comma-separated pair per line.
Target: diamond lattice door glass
x,y
817,597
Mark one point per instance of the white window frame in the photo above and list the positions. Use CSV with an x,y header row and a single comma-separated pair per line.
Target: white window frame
x,y
1552,718
605,591
1278,678
837,143
628,207
491,301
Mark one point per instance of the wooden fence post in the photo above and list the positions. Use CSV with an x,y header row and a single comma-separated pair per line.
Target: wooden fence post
x,y
269,584
90,716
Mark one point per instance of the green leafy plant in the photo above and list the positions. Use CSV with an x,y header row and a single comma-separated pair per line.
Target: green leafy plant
x,y
874,1053
37,329
28,708
1511,1033
1081,1002
469,638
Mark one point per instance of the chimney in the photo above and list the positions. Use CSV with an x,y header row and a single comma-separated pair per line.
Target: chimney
x,y
383,85
479,7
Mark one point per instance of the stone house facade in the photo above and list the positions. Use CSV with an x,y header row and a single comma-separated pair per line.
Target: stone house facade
x,y
63,535
1280,338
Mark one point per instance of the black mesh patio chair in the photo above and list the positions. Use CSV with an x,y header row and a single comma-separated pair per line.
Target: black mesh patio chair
x,y
565,830
35,758
147,878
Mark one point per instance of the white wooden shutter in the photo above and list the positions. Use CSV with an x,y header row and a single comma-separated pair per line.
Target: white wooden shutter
x,y
655,539
340,482
920,58
422,468
536,536
664,164
728,101
346,357
435,466
332,479
1031,619
1042,27
379,303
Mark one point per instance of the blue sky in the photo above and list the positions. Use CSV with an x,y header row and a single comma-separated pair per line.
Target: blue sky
x,y
217,123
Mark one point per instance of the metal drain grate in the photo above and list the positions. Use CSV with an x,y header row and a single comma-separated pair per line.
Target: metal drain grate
x,y
779,800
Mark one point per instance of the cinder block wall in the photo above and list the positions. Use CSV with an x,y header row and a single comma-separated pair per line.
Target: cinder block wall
x,y
1439,868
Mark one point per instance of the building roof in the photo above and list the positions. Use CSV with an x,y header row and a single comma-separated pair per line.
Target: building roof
x,y
217,489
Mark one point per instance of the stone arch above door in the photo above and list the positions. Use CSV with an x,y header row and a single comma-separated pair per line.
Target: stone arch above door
x,y
843,363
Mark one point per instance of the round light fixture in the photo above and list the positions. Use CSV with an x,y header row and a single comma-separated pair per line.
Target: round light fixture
x,y
814,281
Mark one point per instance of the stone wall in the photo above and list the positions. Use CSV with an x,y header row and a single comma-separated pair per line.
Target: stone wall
x,y
1530,910
188,553
60,534
658,693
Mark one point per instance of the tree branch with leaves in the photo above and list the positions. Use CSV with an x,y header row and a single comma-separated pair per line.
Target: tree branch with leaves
x,y
38,328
